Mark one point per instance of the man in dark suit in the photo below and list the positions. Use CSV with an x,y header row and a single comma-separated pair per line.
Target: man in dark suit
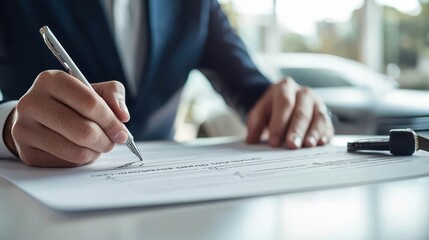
x,y
58,121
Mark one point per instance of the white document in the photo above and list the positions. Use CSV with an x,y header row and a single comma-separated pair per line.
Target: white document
x,y
174,173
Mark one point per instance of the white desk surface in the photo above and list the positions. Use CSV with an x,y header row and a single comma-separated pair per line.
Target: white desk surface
x,y
392,210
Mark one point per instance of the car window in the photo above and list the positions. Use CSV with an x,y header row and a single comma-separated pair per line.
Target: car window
x,y
316,78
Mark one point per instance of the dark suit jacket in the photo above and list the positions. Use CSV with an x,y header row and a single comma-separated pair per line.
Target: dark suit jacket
x,y
182,35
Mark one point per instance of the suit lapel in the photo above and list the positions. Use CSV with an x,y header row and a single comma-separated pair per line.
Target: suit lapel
x,y
161,15
154,39
93,27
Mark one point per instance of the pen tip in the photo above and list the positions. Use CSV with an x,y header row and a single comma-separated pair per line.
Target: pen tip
x,y
132,146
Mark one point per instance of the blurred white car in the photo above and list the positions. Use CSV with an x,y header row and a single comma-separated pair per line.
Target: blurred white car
x,y
361,100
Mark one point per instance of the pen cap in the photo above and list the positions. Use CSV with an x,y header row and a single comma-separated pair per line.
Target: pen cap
x,y
60,53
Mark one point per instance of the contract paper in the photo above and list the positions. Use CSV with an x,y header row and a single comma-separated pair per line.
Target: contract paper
x,y
175,173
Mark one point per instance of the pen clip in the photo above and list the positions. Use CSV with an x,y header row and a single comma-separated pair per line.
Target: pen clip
x,y
56,53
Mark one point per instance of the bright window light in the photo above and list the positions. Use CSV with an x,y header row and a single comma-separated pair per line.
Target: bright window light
x,y
251,7
302,16
410,7
340,213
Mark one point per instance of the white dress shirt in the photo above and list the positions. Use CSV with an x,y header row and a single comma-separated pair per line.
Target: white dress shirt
x,y
128,21
5,110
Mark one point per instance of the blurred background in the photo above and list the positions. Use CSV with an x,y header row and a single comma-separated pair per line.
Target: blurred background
x,y
368,59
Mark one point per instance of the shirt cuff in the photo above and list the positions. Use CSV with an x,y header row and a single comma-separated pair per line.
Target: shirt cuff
x,y
5,110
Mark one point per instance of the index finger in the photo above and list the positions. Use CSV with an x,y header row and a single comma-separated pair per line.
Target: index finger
x,y
85,101
300,119
282,106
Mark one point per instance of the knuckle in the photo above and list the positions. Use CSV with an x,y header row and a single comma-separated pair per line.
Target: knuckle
x,y
47,81
304,95
108,147
92,105
63,120
283,82
100,143
285,100
24,104
320,116
83,155
322,113
117,87
18,131
86,132
46,77
304,91
287,81
112,127
56,74
111,87
290,79
43,76
302,115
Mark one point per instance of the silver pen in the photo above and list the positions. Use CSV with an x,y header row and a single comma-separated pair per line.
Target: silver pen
x,y
61,54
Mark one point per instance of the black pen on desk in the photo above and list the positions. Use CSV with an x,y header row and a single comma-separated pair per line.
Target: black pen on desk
x,y
65,60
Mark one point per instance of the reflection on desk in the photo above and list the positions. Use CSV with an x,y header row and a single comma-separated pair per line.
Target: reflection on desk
x,y
397,210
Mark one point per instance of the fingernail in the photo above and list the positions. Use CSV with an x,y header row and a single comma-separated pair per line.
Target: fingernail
x,y
123,107
297,141
121,137
312,141
325,140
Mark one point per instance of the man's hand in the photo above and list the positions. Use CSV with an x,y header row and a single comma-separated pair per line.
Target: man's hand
x,y
293,115
60,122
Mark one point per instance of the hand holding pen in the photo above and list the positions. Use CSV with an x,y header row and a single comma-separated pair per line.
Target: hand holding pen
x,y
61,122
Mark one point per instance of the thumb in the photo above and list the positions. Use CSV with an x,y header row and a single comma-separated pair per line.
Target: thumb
x,y
113,93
